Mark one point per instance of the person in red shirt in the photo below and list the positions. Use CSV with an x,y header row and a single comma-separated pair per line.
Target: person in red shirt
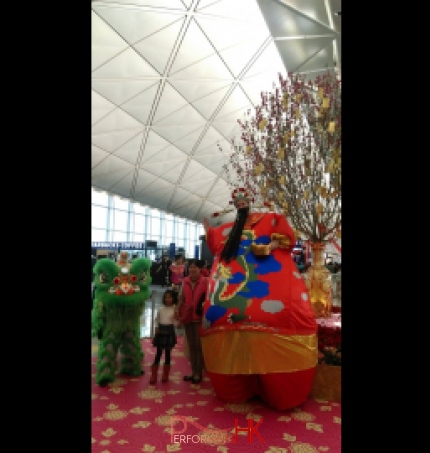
x,y
192,294
177,270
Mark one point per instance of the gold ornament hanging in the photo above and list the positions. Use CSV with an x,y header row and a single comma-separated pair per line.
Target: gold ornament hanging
x,y
262,124
331,127
282,179
297,233
285,100
326,103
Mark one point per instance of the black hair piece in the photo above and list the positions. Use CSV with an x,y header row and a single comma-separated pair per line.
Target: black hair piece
x,y
231,246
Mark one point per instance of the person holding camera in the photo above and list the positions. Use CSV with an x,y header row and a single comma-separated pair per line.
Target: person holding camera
x,y
189,312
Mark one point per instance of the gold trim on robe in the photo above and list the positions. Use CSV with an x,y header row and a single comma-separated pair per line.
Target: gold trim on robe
x,y
284,241
243,352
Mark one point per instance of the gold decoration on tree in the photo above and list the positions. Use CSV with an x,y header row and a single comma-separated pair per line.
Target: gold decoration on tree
x,y
291,146
294,139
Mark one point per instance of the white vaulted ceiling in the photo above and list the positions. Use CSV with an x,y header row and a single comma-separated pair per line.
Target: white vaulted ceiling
x,y
170,79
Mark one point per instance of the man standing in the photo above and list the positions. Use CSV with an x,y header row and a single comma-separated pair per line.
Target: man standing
x,y
192,294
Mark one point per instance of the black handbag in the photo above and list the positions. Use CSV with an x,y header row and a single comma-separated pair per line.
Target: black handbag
x,y
199,306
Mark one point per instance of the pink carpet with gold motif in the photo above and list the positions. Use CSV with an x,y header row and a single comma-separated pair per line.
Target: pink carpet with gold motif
x,y
132,416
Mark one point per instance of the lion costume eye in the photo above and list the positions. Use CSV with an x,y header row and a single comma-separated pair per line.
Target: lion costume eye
x,y
141,276
103,278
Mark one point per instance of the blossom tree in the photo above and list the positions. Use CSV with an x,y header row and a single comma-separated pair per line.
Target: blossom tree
x,y
290,153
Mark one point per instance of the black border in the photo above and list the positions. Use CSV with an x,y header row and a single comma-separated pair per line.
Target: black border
x,y
51,231
377,124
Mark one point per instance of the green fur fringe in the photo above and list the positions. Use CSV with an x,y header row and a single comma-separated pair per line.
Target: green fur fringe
x,y
121,318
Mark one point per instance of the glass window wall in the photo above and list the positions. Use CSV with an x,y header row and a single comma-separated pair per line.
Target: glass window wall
x,y
115,219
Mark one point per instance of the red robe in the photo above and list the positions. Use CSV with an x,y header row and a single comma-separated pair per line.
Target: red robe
x,y
259,328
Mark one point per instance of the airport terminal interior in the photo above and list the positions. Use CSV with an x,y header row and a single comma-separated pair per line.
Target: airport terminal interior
x,y
199,108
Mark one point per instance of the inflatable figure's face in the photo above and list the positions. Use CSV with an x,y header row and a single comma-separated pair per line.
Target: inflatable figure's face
x,y
122,285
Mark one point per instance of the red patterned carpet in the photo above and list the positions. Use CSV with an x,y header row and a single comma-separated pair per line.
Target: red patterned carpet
x,y
131,416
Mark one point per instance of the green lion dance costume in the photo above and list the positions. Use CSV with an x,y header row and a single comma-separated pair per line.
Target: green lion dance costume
x,y
122,289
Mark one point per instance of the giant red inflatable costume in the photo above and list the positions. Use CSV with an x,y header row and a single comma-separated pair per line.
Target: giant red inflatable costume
x,y
259,329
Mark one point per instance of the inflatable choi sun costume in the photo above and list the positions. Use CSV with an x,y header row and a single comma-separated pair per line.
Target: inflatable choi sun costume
x,y
121,292
259,328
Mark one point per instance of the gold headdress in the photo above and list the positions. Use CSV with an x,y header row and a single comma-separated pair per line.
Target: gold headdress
x,y
242,194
